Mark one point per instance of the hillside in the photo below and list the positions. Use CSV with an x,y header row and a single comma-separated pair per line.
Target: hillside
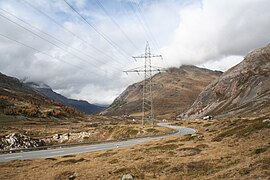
x,y
222,149
242,90
80,105
20,100
173,92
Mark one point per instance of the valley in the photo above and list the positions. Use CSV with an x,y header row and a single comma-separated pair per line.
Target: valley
x,y
30,119
131,90
173,92
227,148
16,133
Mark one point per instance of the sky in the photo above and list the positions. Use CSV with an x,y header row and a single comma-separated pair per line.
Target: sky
x,y
83,55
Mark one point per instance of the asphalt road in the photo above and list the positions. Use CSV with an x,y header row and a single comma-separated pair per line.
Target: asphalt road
x,y
90,148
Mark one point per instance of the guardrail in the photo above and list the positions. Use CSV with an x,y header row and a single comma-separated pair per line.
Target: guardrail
x,y
83,143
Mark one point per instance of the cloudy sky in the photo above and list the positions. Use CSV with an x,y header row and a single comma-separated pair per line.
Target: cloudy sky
x,y
84,57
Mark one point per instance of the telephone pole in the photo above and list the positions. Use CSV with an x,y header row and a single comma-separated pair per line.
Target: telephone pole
x,y
147,69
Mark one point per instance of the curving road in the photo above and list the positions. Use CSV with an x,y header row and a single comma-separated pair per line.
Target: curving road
x,y
90,148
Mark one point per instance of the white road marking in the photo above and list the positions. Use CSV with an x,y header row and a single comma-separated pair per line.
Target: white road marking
x,y
57,151
13,157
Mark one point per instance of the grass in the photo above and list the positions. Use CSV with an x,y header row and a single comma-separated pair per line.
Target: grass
x,y
98,127
51,159
68,156
106,154
4,119
70,161
242,128
242,154
114,161
64,175
189,151
163,147
261,150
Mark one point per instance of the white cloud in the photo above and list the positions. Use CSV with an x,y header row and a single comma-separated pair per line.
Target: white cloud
x,y
214,29
222,64
209,33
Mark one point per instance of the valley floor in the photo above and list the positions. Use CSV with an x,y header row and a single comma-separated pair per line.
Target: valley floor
x,y
222,149
18,132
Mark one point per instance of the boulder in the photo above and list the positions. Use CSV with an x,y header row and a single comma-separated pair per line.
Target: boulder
x,y
127,177
17,141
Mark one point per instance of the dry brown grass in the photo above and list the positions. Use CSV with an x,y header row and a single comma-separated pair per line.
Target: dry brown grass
x,y
218,152
100,127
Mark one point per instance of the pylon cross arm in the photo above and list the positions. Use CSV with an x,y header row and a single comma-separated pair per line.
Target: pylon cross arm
x,y
147,69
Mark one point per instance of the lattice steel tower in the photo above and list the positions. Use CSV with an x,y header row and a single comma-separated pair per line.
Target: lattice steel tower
x,y
147,69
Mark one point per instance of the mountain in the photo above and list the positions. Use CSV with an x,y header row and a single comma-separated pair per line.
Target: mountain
x,y
19,99
80,105
174,91
242,90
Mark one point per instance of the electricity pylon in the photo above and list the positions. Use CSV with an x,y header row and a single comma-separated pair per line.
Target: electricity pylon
x,y
147,69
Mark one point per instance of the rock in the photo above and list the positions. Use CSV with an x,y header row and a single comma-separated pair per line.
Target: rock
x,y
173,91
18,141
69,137
266,120
73,176
242,90
127,177
198,136
61,137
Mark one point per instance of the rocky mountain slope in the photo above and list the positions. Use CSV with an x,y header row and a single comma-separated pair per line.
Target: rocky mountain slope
x,y
242,90
80,105
17,98
174,91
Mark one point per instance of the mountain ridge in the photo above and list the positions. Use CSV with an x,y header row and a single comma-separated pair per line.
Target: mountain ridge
x,y
242,90
80,105
171,92
18,99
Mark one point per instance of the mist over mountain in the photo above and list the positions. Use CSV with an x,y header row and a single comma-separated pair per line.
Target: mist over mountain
x,y
80,105
189,93
18,99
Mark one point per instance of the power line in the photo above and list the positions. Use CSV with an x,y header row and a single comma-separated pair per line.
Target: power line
x,y
127,13
51,36
116,24
113,44
44,53
76,36
146,24
139,18
148,69
30,47
45,39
